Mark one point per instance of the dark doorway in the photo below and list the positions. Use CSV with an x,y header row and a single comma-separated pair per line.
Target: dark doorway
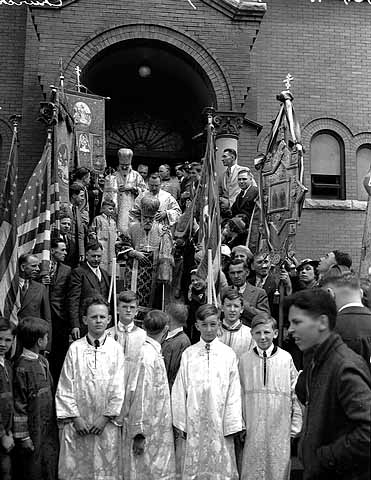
x,y
157,96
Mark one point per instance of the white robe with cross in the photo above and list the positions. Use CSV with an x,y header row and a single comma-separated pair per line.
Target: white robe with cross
x,y
206,404
90,385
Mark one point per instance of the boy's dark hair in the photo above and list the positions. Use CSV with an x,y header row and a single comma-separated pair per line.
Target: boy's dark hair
x,y
108,202
154,176
81,172
128,296
314,302
75,189
263,319
178,313
342,258
93,300
6,324
231,293
54,242
93,245
30,329
206,310
155,321
231,151
246,265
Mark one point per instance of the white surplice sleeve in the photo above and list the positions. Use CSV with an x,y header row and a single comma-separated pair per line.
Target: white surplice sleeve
x,y
116,391
179,397
65,399
232,421
296,411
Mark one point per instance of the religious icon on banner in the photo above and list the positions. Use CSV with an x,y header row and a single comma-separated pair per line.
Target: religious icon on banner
x,y
88,113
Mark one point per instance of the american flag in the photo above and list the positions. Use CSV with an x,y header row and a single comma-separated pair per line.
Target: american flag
x,y
38,210
8,234
210,230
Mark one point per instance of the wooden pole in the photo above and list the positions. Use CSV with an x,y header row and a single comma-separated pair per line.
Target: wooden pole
x,y
210,276
114,296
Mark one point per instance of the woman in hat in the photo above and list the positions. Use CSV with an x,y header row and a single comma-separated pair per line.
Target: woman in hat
x,y
307,274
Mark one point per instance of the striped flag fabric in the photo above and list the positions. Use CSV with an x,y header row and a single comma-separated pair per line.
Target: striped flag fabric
x,y
38,210
210,225
8,234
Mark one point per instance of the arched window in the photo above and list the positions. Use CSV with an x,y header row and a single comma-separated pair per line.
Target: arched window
x,y
327,166
363,162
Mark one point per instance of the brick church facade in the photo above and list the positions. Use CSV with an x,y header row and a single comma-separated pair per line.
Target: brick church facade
x,y
230,54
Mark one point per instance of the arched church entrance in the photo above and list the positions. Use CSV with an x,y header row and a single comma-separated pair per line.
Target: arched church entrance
x,y
157,95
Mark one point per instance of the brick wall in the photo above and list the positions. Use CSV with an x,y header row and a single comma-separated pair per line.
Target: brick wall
x,y
325,46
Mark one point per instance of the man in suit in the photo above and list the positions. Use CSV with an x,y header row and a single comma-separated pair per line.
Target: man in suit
x,y
228,186
86,280
255,299
353,321
262,277
33,299
76,248
246,199
58,281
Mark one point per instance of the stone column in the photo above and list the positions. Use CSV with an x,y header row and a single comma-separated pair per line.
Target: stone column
x,y
227,126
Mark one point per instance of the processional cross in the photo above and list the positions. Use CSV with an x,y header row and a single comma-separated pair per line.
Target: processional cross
x,y
78,73
289,78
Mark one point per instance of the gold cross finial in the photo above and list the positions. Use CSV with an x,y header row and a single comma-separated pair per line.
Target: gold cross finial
x,y
289,78
78,72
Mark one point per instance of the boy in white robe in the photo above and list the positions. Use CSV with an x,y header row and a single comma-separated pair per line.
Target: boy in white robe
x,y
271,410
206,403
232,331
90,395
150,430
131,338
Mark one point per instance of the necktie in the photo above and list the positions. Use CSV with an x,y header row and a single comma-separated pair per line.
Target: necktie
x,y
53,269
24,290
265,366
98,274
96,345
229,171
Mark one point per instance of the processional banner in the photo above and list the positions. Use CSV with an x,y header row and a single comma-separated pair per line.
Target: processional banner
x,y
281,183
88,113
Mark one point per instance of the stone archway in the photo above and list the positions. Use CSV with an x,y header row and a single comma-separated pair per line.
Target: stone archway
x,y
156,115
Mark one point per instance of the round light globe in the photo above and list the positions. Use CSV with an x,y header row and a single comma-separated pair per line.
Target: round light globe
x,y
144,71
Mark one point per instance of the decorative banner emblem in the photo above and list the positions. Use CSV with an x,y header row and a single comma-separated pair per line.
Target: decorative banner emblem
x,y
87,112
34,3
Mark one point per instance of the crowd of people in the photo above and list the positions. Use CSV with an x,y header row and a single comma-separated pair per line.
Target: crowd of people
x,y
178,387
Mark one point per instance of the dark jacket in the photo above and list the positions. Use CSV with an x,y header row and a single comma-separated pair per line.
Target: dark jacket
x,y
353,324
244,205
255,301
83,284
58,293
335,386
35,302
172,350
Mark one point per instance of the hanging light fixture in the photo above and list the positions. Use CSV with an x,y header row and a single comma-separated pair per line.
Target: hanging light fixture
x,y
144,71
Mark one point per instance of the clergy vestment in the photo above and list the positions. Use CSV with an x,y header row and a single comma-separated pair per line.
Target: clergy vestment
x,y
105,229
120,189
271,412
238,337
90,385
206,404
167,204
150,416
